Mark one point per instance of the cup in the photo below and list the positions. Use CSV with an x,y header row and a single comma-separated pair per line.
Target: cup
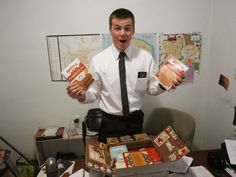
x,y
51,167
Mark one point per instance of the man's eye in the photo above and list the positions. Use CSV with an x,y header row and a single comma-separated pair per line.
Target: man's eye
x,y
117,29
127,29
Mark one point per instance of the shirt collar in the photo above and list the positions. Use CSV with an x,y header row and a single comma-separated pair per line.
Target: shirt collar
x,y
116,51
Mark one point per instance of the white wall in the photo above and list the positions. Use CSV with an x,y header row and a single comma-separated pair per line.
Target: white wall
x,y
219,111
30,100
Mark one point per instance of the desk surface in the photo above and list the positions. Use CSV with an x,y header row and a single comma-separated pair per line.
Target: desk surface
x,y
199,158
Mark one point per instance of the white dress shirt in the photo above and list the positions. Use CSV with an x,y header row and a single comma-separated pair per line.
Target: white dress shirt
x,y
139,79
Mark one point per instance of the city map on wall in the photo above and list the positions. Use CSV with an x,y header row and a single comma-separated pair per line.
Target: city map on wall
x,y
63,49
185,47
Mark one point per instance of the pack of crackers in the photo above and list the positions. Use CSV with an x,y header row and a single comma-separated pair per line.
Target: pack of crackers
x,y
76,71
171,71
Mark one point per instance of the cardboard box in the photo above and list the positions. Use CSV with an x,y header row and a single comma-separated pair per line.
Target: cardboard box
x,y
168,145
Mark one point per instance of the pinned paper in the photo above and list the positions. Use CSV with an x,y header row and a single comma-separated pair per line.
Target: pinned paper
x,y
80,173
231,150
224,81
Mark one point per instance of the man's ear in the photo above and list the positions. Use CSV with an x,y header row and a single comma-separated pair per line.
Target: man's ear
x,y
133,32
110,30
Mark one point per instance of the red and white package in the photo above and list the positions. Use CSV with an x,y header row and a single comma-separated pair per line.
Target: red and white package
x,y
76,71
171,71
177,66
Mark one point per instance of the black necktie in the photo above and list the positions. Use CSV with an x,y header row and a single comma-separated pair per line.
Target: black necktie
x,y
124,96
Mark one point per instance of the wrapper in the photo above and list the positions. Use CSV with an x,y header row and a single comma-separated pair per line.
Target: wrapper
x,y
76,71
172,70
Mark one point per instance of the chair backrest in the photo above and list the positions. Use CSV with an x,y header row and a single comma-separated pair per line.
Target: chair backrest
x,y
182,122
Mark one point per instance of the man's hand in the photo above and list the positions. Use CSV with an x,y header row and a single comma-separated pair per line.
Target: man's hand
x,y
75,91
169,77
177,82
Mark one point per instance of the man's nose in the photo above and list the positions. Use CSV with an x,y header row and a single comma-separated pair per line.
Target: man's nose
x,y
123,31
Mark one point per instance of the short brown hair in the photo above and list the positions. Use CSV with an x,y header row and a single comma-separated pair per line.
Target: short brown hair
x,y
121,14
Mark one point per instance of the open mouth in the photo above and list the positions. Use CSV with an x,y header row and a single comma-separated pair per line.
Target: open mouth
x,y
123,41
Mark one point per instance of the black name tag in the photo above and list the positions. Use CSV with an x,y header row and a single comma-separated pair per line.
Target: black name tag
x,y
142,74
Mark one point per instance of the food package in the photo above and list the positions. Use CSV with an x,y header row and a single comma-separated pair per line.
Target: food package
x,y
172,70
76,71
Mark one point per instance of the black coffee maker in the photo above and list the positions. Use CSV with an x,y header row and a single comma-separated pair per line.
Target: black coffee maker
x,y
92,121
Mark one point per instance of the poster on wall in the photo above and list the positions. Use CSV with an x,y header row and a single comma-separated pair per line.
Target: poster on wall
x,y
185,47
63,49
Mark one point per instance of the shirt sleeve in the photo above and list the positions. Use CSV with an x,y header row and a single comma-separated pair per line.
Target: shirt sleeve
x,y
92,93
153,85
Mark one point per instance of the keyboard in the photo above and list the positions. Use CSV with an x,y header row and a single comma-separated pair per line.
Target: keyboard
x,y
72,132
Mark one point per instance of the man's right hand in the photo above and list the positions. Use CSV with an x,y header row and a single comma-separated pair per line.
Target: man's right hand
x,y
75,91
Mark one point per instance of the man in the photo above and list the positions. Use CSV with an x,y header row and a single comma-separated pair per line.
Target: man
x,y
139,71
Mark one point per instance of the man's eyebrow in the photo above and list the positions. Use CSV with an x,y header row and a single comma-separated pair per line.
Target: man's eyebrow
x,y
116,25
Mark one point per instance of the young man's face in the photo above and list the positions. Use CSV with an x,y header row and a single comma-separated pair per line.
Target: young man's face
x,y
122,31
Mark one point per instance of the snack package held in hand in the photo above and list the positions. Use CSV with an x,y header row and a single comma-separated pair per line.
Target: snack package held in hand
x,y
76,71
172,70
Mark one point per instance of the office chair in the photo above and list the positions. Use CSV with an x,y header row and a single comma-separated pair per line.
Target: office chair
x,y
182,122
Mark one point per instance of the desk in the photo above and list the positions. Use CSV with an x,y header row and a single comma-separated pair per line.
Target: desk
x,y
66,144
199,158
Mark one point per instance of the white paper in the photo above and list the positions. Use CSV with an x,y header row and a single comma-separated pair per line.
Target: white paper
x,y
80,173
50,132
199,171
230,171
231,150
